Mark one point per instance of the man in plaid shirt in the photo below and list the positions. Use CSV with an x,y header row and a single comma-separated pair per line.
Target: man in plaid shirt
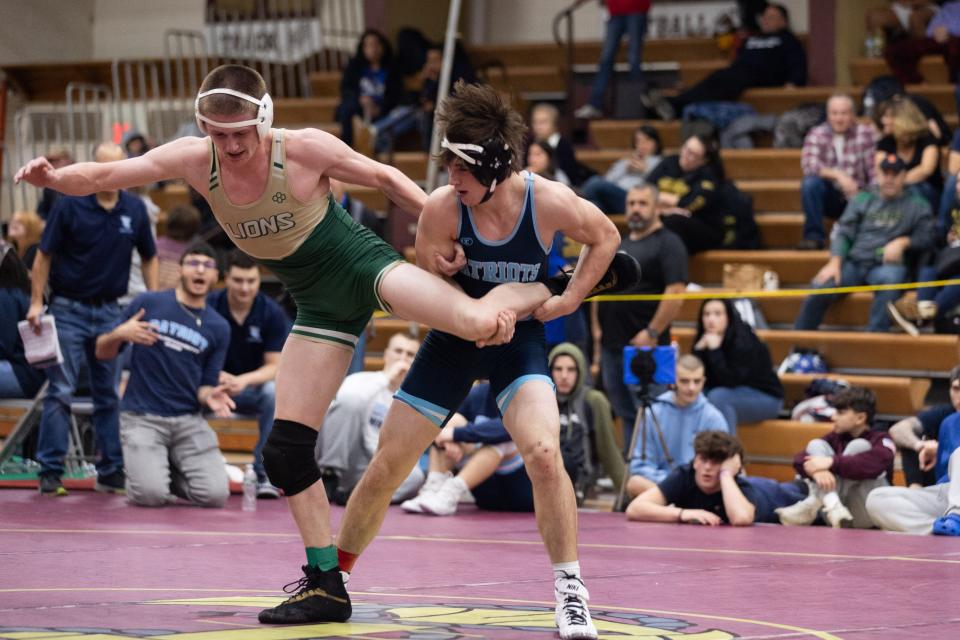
x,y
837,162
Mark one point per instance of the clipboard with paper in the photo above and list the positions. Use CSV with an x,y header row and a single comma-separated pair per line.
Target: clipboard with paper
x,y
41,350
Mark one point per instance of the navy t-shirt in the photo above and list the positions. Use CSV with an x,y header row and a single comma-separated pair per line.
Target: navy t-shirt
x,y
931,418
264,330
14,304
90,248
165,377
681,490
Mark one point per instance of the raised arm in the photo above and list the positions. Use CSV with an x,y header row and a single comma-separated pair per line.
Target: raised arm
x,y
560,209
177,159
327,154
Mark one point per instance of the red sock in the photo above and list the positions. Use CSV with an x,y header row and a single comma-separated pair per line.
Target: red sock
x,y
346,560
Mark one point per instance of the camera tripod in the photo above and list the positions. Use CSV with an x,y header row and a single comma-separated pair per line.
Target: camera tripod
x,y
640,426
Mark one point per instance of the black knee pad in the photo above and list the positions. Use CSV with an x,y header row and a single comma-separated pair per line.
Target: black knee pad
x,y
288,456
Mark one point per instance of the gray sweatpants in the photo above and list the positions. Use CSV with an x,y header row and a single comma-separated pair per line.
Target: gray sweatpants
x,y
853,493
172,456
914,510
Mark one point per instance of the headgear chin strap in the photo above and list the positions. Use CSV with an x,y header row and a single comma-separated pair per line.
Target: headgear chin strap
x,y
489,162
263,121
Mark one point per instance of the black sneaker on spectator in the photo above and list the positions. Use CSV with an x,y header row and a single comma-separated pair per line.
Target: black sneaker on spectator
x,y
51,485
115,483
653,101
320,597
588,112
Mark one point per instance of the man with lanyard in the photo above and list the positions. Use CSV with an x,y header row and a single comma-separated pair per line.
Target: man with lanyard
x,y
270,190
504,220
85,256
258,328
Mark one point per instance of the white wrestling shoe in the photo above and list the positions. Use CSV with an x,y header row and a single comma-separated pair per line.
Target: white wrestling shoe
x,y
435,480
800,514
572,615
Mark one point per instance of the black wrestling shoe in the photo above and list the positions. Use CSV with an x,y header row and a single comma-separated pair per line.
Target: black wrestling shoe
x,y
623,274
320,597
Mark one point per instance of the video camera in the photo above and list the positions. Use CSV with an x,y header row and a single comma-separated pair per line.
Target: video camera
x,y
644,366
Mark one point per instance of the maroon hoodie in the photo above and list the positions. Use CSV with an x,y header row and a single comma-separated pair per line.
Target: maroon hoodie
x,y
862,466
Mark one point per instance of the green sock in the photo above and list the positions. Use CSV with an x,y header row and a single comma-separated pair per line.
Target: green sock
x,y
323,558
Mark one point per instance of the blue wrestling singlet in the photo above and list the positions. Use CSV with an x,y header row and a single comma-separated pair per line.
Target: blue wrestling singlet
x,y
446,366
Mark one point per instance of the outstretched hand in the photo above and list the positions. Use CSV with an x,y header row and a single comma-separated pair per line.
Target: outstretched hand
x,y
38,172
506,323
220,402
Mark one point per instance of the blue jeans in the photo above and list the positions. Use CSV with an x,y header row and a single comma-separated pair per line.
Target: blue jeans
x,y
400,120
948,199
635,25
741,405
853,274
9,385
820,198
259,400
608,197
78,326
947,298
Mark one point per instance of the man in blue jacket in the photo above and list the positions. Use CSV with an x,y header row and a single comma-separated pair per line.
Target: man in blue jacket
x,y
681,415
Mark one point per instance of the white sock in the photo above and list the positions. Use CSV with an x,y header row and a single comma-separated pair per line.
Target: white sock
x,y
566,570
831,500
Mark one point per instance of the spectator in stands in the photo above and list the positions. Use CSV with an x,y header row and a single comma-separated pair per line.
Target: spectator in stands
x,y
258,329
934,509
490,467
24,233
689,196
609,192
85,255
545,126
741,382
901,19
772,58
942,36
910,139
58,157
868,245
17,378
712,491
587,441
183,224
623,17
844,466
914,434
663,263
837,162
540,161
179,344
677,418
369,88
351,428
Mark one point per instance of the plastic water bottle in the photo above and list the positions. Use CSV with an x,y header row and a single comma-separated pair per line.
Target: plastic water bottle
x,y
250,489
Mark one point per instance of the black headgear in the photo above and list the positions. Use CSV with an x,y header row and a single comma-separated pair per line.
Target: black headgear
x,y
489,162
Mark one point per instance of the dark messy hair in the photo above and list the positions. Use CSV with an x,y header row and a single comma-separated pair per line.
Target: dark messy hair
x,y
183,222
474,113
716,446
201,248
859,399
239,259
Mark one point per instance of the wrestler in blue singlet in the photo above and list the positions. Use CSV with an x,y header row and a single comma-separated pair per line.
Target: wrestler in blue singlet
x,y
446,366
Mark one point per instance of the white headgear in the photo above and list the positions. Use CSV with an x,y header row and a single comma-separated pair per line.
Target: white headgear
x,y
264,118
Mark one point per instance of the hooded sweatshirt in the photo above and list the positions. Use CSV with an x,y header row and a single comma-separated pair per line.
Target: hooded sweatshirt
x,y
741,360
679,425
586,425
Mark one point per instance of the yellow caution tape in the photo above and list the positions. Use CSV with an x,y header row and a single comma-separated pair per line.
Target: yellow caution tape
x,y
778,293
